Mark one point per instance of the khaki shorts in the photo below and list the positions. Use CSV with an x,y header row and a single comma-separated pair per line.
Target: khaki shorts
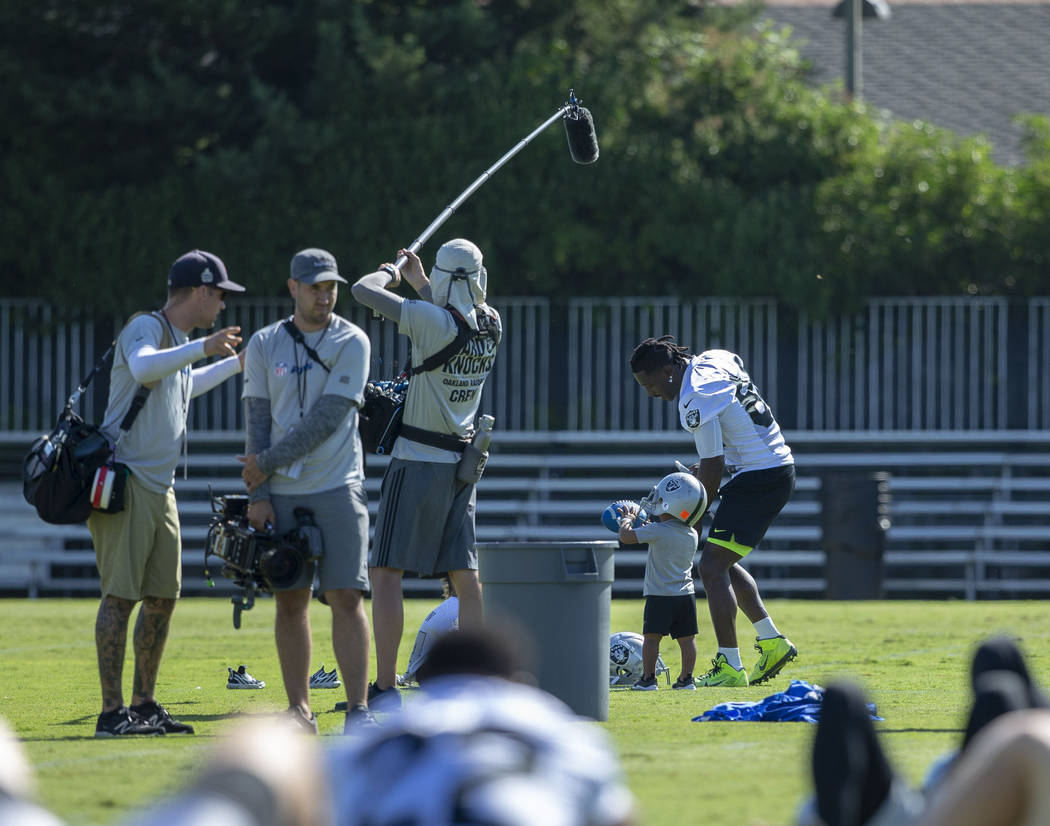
x,y
139,550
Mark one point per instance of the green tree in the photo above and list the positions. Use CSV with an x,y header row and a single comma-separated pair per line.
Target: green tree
x,y
133,131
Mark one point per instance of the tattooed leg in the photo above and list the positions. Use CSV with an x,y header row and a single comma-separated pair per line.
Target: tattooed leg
x,y
111,639
151,632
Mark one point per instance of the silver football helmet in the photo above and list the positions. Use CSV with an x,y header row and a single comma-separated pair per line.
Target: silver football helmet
x,y
625,660
679,494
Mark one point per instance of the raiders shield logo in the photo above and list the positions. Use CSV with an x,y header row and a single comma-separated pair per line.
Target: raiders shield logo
x,y
692,419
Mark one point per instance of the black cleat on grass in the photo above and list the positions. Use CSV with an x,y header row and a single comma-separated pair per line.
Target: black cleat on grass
x,y
123,722
156,715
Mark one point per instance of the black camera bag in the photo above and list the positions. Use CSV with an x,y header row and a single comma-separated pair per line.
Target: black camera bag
x,y
379,420
58,470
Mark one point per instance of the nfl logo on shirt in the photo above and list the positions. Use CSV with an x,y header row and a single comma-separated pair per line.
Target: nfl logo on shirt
x,y
280,369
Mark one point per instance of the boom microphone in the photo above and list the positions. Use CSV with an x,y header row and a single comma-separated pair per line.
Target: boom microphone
x,y
583,146
579,129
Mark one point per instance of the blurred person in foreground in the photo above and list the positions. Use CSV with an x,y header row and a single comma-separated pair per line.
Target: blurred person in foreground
x,y
479,747
1000,775
18,803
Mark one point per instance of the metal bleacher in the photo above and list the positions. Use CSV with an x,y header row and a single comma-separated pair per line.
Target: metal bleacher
x,y
970,510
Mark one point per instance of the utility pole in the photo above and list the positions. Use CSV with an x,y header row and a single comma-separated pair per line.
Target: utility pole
x,y
853,11
854,69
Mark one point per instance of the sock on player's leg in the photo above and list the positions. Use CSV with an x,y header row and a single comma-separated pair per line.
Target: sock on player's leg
x,y
732,657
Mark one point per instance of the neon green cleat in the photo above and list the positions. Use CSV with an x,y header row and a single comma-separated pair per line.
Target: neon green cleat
x,y
773,655
723,674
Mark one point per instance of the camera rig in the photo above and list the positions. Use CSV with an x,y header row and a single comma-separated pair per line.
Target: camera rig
x,y
257,561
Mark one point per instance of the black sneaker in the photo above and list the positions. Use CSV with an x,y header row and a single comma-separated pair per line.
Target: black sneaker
x,y
384,699
359,718
156,715
122,722
684,682
646,683
299,717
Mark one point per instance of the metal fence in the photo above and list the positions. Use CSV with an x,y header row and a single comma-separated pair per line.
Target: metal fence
x,y
912,364
1037,376
903,364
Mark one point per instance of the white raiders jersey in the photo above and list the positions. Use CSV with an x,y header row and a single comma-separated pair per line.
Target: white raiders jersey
x,y
440,621
478,751
721,407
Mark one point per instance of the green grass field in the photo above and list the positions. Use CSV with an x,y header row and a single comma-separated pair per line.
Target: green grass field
x,y
913,657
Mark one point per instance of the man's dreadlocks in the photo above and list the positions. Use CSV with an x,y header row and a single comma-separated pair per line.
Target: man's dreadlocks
x,y
654,353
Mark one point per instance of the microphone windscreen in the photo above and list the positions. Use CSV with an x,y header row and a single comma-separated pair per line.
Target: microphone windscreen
x,y
583,141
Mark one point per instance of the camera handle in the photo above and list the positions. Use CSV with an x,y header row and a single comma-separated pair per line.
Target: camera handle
x,y
242,602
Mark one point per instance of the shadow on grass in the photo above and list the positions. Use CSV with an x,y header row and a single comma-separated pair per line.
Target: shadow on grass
x,y
921,731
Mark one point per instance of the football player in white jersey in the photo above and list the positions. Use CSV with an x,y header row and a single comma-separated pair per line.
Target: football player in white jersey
x,y
735,434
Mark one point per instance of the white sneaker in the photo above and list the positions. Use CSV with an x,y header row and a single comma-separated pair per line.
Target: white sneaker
x,y
320,679
242,679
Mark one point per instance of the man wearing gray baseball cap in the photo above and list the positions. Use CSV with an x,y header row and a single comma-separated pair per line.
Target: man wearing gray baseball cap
x,y
304,381
313,266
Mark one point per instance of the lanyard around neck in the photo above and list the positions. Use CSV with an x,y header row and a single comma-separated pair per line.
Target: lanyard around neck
x,y
300,371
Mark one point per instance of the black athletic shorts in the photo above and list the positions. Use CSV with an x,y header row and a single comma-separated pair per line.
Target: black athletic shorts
x,y
670,615
749,504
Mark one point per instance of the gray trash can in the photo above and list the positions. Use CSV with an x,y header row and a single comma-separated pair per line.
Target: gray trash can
x,y
560,593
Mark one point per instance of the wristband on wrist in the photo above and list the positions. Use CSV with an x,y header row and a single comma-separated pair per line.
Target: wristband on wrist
x,y
391,269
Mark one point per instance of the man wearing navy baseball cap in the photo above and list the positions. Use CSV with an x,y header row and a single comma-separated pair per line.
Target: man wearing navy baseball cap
x,y
139,548
201,269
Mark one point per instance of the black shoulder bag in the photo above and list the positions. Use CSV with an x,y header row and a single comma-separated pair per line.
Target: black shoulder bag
x,y
71,470
380,420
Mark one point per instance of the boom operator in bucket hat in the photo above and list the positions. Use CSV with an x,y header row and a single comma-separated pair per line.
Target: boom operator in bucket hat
x,y
459,278
201,269
312,266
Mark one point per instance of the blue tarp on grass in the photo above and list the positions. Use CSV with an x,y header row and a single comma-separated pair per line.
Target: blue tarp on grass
x,y
799,704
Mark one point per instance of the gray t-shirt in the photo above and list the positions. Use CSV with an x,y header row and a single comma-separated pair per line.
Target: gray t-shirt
x,y
444,400
278,369
151,447
668,568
